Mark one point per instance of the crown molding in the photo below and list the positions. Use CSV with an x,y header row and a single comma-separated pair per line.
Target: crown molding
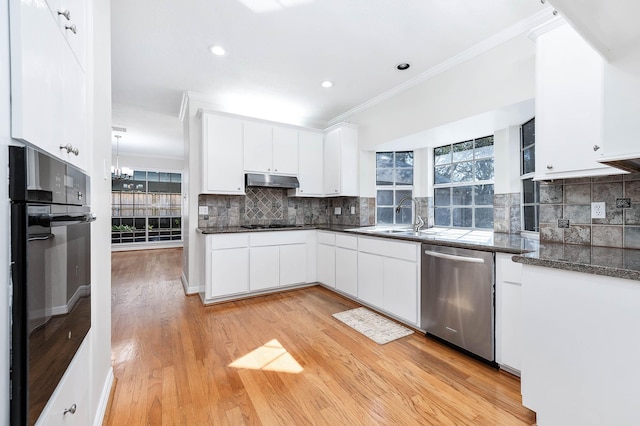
x,y
519,28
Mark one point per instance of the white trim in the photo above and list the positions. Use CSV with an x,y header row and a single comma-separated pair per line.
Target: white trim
x,y
103,402
505,35
187,289
146,246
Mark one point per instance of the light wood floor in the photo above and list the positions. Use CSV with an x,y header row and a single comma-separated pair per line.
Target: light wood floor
x,y
171,359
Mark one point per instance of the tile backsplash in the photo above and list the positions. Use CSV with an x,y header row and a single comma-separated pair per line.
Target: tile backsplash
x,y
272,205
570,200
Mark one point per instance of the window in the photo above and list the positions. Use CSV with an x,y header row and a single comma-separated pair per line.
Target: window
x,y
146,208
463,184
394,181
530,189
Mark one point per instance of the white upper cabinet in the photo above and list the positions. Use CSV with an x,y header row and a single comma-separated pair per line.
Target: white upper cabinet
x,y
222,155
310,154
341,161
569,106
48,84
270,149
72,21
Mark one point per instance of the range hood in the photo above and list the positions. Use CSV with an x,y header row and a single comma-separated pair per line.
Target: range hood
x,y
271,181
628,163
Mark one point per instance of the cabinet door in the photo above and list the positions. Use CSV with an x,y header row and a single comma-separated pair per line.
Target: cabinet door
x,y
74,112
508,312
285,151
331,173
37,76
569,106
347,271
310,160
327,265
258,147
264,267
401,289
229,271
222,155
370,279
293,264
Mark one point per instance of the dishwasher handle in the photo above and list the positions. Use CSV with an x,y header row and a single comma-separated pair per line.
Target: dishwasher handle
x,y
453,257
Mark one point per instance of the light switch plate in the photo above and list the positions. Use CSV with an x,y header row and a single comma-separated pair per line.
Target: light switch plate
x,y
203,210
598,210
337,210
353,210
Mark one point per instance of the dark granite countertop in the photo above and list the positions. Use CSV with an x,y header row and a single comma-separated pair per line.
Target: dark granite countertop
x,y
611,262
476,240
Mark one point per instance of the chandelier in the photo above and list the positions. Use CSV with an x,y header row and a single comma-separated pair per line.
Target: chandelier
x,y
117,172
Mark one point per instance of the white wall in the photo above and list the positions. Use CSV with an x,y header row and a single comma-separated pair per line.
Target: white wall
x,y
5,125
506,145
498,78
99,78
150,163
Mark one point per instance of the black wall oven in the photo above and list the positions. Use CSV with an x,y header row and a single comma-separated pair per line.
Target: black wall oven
x,y
50,275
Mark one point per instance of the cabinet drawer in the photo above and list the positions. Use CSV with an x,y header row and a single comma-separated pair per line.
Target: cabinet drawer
x,y
277,238
347,241
511,271
382,247
328,238
227,241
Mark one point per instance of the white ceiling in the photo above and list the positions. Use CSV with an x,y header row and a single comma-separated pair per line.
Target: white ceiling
x,y
278,53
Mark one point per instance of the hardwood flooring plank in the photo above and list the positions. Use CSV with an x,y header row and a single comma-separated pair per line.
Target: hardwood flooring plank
x,y
172,356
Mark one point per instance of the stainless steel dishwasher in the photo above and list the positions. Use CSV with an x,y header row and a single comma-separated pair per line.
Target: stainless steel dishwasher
x,y
457,298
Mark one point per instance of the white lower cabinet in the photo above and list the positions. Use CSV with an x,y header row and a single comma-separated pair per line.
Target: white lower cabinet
x,y
72,393
347,271
244,263
508,313
370,279
389,276
227,265
326,261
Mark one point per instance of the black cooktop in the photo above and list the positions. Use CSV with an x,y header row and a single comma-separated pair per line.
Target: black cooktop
x,y
270,226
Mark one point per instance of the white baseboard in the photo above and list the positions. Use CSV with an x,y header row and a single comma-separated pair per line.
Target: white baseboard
x,y
188,289
104,398
147,246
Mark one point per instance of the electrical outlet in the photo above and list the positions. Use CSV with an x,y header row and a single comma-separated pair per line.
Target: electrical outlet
x,y
203,210
337,210
353,210
598,210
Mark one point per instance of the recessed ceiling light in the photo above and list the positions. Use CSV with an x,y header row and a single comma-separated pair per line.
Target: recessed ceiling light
x,y
327,84
403,66
217,50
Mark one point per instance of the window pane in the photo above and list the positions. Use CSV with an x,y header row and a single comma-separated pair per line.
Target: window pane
x,y
528,160
442,216
529,133
384,159
463,151
384,198
462,172
442,196
443,174
404,159
484,169
152,176
138,175
528,191
442,155
384,214
404,176
462,216
484,218
405,215
484,147
529,214
462,195
484,195
384,177
403,193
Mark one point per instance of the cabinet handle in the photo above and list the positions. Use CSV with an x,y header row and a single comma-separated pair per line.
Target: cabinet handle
x,y
596,147
71,410
66,13
71,27
70,149
549,166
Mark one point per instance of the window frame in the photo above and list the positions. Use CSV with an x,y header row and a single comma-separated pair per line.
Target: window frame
x,y
528,177
395,187
472,184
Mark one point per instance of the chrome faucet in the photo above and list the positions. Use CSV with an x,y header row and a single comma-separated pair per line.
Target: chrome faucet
x,y
418,223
